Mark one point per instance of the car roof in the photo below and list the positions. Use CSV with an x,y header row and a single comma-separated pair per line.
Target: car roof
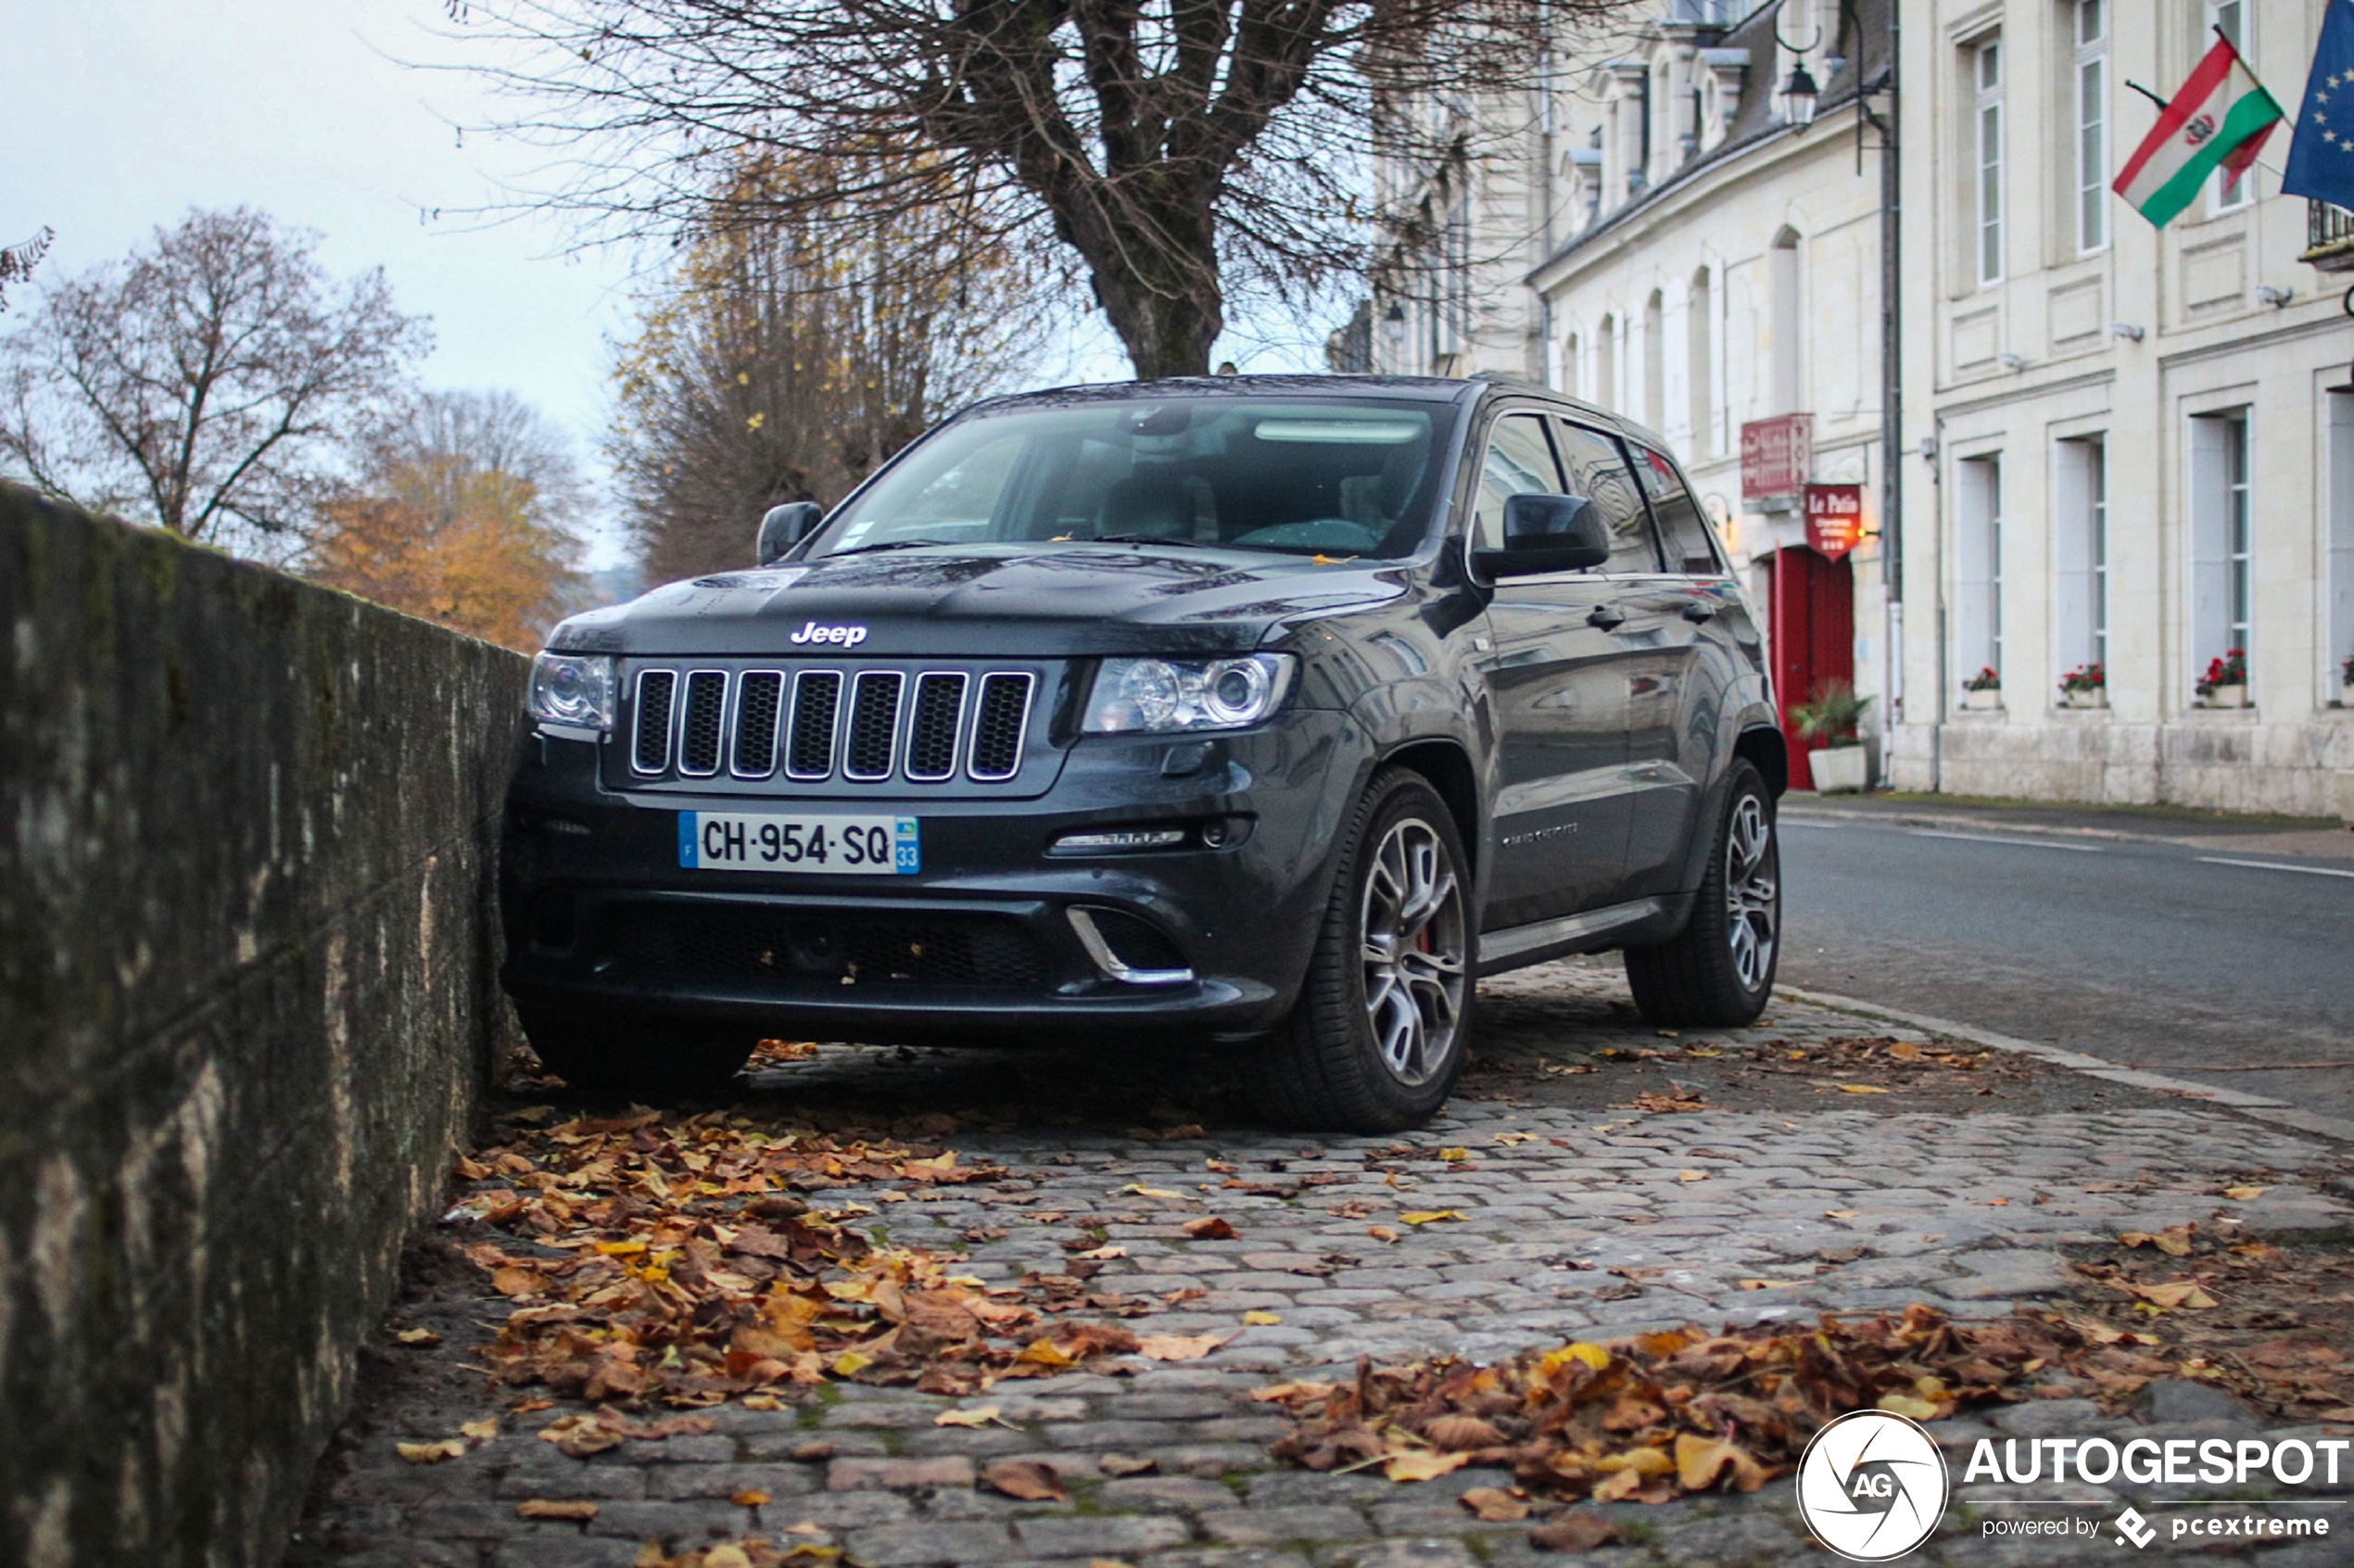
x,y
1422,388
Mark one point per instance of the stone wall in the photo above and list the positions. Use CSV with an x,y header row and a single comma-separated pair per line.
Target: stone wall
x,y
247,999
2221,761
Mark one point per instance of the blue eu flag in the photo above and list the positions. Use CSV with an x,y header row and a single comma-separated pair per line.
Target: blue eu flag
x,y
2320,160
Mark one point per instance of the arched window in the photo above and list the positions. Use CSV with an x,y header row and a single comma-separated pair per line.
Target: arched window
x,y
1606,362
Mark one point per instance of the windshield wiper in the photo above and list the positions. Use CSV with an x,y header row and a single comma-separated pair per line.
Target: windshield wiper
x,y
887,544
1151,539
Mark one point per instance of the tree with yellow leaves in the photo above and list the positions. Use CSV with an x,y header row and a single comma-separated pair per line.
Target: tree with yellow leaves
x,y
461,521
785,359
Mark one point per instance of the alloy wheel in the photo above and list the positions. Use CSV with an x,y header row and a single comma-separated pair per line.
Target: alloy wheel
x,y
1753,894
1414,957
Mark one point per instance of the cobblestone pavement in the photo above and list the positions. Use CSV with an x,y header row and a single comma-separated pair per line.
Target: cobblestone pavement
x,y
1579,1219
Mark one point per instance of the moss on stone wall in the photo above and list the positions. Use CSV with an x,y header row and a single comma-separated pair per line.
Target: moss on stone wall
x,y
247,997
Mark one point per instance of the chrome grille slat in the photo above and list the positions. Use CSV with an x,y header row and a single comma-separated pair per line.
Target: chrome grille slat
x,y
760,696
872,744
932,726
817,705
701,723
1000,718
650,750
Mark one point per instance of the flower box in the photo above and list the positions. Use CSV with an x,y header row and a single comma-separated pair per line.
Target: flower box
x,y
1838,770
1982,697
2225,697
2097,698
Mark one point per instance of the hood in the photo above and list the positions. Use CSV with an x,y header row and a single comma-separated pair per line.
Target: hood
x,y
1017,601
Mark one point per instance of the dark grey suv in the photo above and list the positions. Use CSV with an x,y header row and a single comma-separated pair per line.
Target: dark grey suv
x,y
1270,711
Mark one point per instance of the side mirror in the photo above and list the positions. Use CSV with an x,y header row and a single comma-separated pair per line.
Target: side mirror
x,y
1545,533
785,527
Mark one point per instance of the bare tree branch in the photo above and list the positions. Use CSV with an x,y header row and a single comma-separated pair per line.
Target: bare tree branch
x,y
1181,153
216,383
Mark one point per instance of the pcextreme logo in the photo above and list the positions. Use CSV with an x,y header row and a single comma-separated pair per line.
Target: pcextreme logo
x,y
1872,1487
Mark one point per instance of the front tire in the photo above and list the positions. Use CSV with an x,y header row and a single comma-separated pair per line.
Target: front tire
x,y
1718,971
633,1058
1377,1037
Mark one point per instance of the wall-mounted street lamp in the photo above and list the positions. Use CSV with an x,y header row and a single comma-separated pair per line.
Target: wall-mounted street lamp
x,y
1797,97
1393,326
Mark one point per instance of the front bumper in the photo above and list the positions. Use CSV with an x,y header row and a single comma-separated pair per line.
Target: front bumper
x,y
981,943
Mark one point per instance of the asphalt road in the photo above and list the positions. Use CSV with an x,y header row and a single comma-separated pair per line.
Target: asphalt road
x,y
2158,956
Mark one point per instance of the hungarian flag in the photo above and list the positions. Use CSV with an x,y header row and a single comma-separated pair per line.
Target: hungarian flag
x,y
2218,121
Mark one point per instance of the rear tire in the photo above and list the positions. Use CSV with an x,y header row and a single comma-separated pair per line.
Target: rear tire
x,y
1378,1035
634,1059
1718,971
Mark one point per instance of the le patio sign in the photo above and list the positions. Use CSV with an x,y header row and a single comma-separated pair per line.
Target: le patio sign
x,y
1834,518
1776,454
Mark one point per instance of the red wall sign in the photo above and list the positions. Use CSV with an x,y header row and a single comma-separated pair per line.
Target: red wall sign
x,y
1775,455
1834,518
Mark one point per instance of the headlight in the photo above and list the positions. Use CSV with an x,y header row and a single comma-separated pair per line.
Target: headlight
x,y
1156,696
574,689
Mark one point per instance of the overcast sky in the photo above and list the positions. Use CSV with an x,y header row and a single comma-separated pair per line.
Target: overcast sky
x,y
124,114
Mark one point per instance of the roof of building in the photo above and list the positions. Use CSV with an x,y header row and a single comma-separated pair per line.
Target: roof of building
x,y
1758,120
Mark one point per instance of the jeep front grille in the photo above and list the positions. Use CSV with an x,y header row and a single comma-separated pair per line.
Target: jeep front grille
x,y
700,730
759,701
860,726
998,729
874,725
655,690
816,701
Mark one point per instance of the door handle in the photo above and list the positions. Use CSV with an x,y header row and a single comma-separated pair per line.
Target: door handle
x,y
1605,617
1698,610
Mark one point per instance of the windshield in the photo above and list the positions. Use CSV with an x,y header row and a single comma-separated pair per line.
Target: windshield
x,y
1347,478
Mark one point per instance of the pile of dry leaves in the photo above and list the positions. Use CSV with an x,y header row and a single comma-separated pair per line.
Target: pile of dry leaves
x,y
1660,1415
2267,1321
676,1260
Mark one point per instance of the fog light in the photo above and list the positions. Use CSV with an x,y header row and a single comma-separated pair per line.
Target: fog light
x,y
1116,839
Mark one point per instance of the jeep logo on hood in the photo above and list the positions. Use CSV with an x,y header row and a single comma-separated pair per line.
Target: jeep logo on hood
x,y
845,637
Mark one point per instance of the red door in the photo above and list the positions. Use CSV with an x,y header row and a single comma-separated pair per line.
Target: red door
x,y
1811,607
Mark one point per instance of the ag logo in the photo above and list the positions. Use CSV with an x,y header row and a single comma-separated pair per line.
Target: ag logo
x,y
1872,1487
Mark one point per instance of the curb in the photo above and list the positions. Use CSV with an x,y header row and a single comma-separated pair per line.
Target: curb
x,y
1811,808
2262,1108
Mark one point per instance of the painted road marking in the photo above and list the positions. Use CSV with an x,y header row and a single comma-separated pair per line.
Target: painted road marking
x,y
2276,865
2015,843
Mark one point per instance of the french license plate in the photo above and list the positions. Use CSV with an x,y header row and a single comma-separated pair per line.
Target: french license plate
x,y
727,840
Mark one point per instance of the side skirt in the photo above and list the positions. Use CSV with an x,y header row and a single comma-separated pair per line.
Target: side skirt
x,y
1590,930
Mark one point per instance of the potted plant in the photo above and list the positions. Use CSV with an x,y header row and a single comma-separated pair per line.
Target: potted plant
x,y
2086,685
2225,683
1983,689
1830,723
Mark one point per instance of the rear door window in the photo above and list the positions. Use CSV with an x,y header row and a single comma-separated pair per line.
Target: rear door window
x,y
1594,465
1684,532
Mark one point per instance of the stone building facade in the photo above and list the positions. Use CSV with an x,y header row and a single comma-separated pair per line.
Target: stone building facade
x,y
2117,445
2134,446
